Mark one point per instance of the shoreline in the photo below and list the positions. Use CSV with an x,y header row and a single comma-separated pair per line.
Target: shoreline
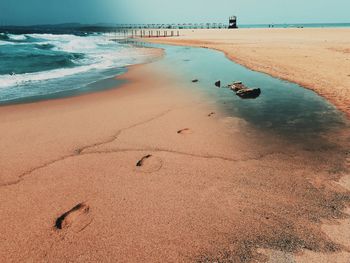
x,y
113,82
147,170
263,62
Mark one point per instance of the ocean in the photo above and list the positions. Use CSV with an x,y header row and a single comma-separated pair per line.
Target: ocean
x,y
44,63
42,66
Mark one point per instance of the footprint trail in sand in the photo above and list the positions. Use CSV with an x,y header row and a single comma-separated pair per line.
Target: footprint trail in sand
x,y
76,219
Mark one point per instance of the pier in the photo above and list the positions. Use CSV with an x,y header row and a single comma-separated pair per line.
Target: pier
x,y
145,33
127,31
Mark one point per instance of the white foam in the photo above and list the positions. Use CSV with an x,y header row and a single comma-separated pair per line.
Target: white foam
x,y
21,79
100,53
17,37
5,43
72,43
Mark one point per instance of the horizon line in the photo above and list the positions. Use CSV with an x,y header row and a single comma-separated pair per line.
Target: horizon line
x,y
183,23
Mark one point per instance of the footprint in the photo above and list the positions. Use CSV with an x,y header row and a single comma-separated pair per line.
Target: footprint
x,y
184,131
142,161
149,164
76,219
211,114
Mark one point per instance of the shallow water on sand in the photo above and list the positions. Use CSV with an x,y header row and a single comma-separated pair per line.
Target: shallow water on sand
x,y
283,107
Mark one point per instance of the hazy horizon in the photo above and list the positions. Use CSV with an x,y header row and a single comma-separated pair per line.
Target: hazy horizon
x,y
115,24
39,12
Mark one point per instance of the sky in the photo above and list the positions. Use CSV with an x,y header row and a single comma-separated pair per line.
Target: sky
x,y
31,12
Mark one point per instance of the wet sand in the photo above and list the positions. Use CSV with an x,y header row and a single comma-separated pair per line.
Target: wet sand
x,y
148,173
318,58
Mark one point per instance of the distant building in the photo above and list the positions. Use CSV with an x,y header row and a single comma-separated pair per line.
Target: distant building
x,y
232,22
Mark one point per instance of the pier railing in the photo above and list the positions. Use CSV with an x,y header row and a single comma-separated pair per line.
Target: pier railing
x,y
126,31
173,26
145,33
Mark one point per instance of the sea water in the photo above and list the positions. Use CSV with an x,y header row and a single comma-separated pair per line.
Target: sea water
x,y
283,107
42,66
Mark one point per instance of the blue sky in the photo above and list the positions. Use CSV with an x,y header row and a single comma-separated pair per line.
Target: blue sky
x,y
27,12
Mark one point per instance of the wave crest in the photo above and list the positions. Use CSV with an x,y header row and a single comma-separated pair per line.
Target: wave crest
x,y
48,60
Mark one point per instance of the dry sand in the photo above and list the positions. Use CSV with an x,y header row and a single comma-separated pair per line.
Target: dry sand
x,y
318,59
143,174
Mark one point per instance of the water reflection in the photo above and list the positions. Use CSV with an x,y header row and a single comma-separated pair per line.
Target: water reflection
x,y
283,107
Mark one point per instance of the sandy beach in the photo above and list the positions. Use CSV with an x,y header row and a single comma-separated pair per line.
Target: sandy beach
x,y
154,172
316,58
